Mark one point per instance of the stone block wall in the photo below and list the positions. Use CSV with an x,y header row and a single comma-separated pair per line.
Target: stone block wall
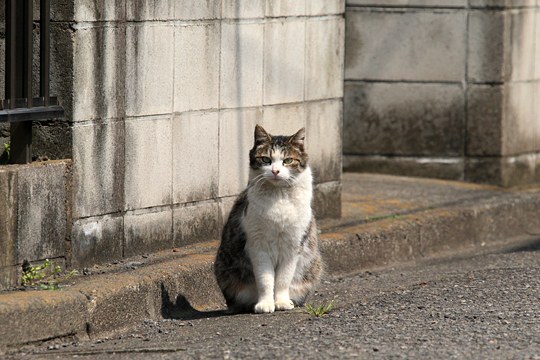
x,y
162,98
35,215
443,89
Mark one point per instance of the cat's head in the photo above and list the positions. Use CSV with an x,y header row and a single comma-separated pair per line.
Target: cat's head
x,y
278,160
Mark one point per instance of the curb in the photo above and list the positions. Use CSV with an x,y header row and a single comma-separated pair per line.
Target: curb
x,y
506,218
103,304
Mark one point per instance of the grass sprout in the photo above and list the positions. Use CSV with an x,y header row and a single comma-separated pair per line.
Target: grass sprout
x,y
319,310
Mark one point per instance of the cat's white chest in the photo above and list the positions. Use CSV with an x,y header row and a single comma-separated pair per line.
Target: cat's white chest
x,y
279,212
279,218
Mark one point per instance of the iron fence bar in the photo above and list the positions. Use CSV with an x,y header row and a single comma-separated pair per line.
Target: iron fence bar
x,y
45,50
19,107
21,132
21,103
27,51
11,52
21,142
27,115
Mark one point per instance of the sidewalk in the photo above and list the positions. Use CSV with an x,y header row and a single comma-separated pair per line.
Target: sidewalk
x,y
386,220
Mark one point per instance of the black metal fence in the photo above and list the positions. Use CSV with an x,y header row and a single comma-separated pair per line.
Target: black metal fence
x,y
19,107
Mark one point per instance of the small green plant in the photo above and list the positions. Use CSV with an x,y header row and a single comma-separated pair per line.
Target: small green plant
x,y
4,156
45,276
319,310
7,148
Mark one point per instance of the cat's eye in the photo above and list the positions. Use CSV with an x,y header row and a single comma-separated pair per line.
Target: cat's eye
x,y
266,160
287,161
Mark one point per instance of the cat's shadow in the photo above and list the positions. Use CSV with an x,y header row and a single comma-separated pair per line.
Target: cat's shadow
x,y
181,309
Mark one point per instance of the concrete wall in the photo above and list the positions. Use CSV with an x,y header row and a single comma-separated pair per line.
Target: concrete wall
x,y
443,88
35,215
162,98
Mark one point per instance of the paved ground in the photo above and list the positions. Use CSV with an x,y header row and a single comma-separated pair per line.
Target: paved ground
x,y
483,306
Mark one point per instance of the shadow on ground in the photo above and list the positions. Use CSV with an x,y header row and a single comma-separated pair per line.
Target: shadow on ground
x,y
181,309
532,245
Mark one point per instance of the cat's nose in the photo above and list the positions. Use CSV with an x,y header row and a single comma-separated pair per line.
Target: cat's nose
x,y
275,172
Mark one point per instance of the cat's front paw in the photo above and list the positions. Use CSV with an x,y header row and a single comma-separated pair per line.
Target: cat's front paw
x,y
285,304
264,307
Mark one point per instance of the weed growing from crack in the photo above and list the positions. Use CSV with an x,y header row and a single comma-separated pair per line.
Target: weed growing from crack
x,y
44,276
4,156
319,310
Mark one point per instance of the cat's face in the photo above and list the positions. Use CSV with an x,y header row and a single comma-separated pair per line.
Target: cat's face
x,y
277,159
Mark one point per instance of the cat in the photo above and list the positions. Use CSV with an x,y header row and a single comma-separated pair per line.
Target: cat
x,y
269,255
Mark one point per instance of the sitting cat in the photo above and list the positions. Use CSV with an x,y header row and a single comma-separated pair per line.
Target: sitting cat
x,y
269,256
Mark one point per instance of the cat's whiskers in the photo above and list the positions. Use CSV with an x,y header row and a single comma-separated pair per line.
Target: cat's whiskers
x,y
258,177
261,179
289,181
255,181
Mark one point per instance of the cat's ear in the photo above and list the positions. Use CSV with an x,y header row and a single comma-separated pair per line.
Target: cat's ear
x,y
298,138
261,136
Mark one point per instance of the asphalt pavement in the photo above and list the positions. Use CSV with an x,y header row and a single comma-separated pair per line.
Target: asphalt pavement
x,y
468,306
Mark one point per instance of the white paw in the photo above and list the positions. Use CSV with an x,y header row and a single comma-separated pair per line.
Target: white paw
x,y
285,304
264,307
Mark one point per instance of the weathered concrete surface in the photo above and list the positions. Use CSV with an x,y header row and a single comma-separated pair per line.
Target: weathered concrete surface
x,y
447,79
43,215
196,223
35,209
98,164
403,119
504,171
195,157
34,316
405,45
448,168
94,241
386,220
8,214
